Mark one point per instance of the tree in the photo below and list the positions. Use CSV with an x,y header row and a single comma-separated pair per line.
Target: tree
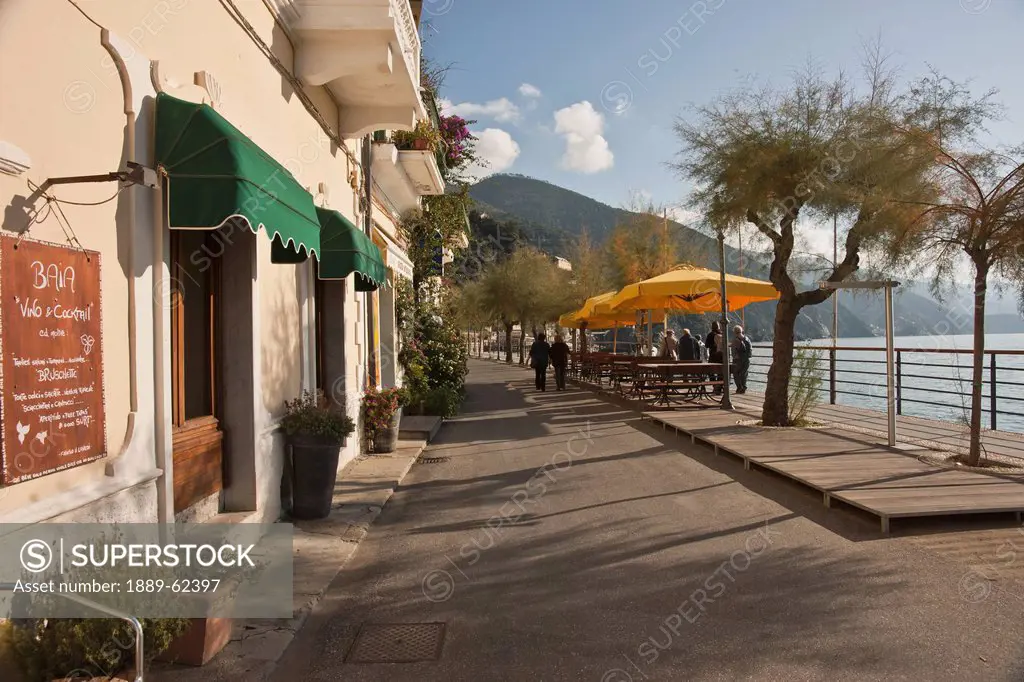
x,y
472,309
640,246
977,211
500,284
590,271
526,288
440,225
768,157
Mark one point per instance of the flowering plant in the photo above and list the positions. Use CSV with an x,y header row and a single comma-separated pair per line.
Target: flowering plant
x,y
457,140
379,406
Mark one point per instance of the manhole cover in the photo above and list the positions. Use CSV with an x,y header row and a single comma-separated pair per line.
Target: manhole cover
x,y
433,460
397,643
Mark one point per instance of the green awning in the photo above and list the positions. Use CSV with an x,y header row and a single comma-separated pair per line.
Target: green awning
x,y
345,249
217,174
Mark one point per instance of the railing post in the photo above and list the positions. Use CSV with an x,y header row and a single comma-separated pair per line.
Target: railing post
x,y
899,382
832,376
992,388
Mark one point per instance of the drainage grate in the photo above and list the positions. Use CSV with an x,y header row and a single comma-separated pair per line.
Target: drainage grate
x,y
397,643
433,460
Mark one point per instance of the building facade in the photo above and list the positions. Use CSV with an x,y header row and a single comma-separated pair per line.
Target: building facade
x,y
211,165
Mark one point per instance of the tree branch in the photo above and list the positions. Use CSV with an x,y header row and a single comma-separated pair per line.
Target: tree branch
x,y
765,228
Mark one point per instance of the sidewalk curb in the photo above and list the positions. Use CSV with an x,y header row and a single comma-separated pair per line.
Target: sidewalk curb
x,y
321,550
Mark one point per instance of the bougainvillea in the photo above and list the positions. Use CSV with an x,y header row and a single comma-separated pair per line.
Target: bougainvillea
x,y
456,140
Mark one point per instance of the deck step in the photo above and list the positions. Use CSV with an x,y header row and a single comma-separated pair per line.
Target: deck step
x,y
416,427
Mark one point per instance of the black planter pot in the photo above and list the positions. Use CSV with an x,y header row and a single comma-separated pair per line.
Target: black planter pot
x,y
386,440
314,471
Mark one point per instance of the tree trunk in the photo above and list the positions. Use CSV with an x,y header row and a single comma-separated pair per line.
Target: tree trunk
x,y
522,344
776,393
508,343
980,289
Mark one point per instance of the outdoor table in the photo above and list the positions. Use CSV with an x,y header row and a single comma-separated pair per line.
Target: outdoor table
x,y
694,390
625,372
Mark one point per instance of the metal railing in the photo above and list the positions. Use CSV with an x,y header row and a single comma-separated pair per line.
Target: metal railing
x,y
851,376
140,658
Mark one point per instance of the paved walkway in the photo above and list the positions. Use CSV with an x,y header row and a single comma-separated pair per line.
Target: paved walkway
x,y
566,540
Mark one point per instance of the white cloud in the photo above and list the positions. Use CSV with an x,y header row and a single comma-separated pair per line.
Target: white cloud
x,y
502,110
645,194
586,150
496,149
527,90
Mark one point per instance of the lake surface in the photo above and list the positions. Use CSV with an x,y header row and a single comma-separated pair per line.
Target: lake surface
x,y
932,384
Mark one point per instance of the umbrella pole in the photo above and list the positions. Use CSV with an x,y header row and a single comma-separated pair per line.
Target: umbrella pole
x,y
726,402
650,331
615,339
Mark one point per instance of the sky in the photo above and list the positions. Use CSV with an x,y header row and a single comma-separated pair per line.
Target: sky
x,y
584,94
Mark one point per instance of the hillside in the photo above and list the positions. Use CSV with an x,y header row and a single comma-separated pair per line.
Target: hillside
x,y
549,217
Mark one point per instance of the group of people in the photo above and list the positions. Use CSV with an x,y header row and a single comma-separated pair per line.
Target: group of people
x,y
556,354
686,347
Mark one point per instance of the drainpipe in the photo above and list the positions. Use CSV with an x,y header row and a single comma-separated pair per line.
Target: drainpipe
x,y
133,387
371,363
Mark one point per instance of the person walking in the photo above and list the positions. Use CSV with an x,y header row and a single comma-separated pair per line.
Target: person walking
x,y
689,347
741,352
559,360
669,346
714,346
540,353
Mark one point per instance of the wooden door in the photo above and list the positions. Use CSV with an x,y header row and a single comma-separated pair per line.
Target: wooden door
x,y
195,380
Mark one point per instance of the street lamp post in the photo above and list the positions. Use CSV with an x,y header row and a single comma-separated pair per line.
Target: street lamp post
x,y
726,401
890,379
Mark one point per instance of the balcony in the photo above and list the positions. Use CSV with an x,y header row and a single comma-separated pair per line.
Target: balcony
x,y
367,53
404,165
390,176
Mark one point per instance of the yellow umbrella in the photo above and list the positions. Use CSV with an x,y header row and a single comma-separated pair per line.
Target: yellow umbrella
x,y
692,290
588,313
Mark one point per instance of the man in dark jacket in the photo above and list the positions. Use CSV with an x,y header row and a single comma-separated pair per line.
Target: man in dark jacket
x,y
539,356
741,352
559,360
689,349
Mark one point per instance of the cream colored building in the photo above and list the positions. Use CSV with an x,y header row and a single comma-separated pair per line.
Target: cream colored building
x,y
80,95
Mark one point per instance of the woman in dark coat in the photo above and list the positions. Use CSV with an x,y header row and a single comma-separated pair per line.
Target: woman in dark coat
x,y
540,353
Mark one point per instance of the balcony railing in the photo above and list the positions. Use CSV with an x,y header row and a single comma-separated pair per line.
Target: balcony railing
x,y
409,38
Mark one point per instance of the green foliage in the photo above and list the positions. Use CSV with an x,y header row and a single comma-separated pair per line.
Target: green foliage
x,y
441,224
443,401
414,365
445,352
805,384
55,648
379,406
311,414
405,307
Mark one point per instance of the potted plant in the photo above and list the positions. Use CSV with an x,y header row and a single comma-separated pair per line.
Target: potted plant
x,y
316,431
382,415
423,137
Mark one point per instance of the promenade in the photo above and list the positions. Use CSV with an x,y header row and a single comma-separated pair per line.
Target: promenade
x,y
557,536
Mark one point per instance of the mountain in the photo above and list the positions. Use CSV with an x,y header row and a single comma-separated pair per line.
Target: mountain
x,y
550,217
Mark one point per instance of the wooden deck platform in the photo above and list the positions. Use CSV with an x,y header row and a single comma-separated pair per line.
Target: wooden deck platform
x,y
855,468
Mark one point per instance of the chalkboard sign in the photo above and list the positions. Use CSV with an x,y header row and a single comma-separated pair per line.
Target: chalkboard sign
x,y
51,386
